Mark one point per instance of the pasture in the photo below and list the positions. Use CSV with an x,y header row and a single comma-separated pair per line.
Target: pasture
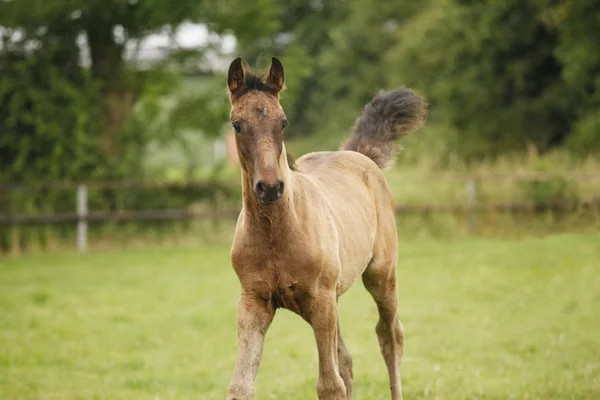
x,y
484,319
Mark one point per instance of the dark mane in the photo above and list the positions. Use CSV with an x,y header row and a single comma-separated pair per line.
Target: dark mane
x,y
256,82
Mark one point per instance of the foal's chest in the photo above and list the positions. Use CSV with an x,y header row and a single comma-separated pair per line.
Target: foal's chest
x,y
286,280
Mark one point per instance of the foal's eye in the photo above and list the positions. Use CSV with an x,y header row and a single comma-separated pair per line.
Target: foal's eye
x,y
236,126
284,123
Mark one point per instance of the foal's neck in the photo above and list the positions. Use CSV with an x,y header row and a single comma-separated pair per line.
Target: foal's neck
x,y
274,221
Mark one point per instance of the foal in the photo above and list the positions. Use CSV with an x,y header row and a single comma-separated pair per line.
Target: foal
x,y
309,230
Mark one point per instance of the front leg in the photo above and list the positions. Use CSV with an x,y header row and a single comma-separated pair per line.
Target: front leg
x,y
323,319
254,315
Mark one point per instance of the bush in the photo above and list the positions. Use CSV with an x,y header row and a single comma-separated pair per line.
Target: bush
x,y
552,190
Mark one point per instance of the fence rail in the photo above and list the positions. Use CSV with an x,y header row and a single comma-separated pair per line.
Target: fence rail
x,y
183,214
124,184
82,215
118,216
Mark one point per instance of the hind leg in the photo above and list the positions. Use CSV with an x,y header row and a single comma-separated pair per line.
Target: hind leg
x,y
345,363
380,280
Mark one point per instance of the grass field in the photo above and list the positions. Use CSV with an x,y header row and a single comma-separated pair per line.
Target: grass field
x,y
484,319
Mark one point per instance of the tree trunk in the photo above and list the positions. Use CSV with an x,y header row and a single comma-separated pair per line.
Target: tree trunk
x,y
109,68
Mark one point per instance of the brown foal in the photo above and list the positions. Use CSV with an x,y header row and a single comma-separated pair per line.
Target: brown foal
x,y
309,230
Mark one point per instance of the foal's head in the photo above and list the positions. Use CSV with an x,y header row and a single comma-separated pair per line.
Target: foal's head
x,y
259,122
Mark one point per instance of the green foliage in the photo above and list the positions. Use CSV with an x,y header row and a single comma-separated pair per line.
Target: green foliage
x,y
200,109
578,49
501,75
342,66
62,121
551,190
505,74
489,71
46,119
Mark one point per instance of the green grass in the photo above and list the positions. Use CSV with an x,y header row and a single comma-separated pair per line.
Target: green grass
x,y
484,319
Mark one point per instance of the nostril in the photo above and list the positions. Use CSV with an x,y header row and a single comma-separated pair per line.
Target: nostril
x,y
260,187
280,188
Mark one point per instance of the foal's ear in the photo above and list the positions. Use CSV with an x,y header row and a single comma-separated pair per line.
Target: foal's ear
x,y
235,76
276,74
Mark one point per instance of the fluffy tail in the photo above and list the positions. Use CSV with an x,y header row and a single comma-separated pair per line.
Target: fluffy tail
x,y
387,118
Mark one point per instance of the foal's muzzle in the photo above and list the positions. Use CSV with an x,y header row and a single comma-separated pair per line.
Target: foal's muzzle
x,y
268,193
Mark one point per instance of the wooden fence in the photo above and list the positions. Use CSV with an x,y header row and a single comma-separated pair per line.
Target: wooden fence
x,y
81,214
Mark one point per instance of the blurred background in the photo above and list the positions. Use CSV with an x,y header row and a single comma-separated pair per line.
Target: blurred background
x,y
115,142
129,98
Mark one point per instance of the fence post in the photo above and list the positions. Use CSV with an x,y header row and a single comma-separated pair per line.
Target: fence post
x,y
472,204
82,213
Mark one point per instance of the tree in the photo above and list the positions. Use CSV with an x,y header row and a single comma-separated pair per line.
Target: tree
x,y
505,74
576,23
41,61
61,120
351,63
299,40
